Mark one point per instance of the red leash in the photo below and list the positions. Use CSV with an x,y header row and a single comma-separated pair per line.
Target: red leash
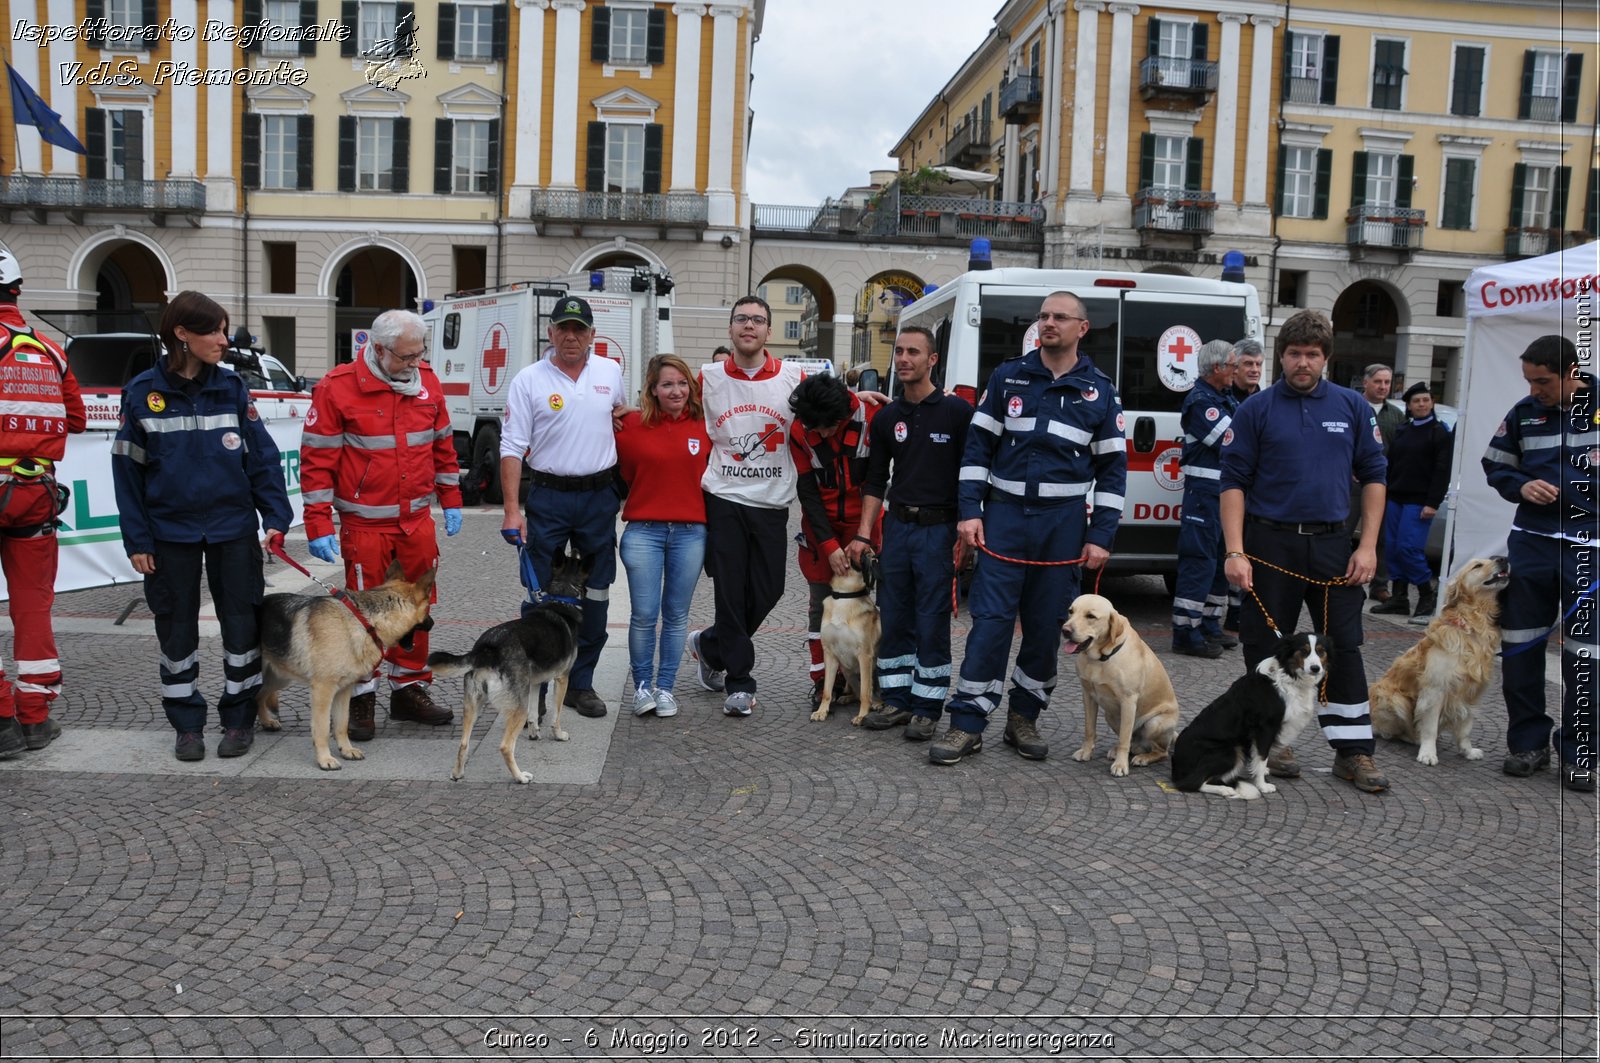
x,y
275,545
955,584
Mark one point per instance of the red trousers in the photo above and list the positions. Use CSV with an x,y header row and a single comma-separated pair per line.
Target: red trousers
x,y
367,554
29,562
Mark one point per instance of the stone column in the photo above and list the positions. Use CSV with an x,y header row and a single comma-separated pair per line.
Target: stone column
x,y
721,205
184,105
1050,131
220,188
1257,134
564,98
63,99
1084,99
1119,82
528,105
1226,148
686,99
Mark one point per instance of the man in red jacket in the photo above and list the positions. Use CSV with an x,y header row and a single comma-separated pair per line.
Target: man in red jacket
x,y
377,448
39,406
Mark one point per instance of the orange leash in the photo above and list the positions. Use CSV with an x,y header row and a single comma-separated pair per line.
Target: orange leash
x,y
1327,586
955,583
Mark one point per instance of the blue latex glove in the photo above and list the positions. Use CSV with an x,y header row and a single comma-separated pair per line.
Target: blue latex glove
x,y
325,548
452,521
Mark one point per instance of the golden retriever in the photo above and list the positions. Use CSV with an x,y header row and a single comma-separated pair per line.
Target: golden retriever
x,y
850,629
1439,680
1124,678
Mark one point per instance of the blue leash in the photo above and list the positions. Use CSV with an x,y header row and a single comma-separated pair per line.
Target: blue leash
x,y
1526,646
530,579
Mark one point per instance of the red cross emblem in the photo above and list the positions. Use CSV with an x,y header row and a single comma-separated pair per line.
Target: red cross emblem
x,y
1168,468
900,432
774,438
1090,394
495,354
1014,406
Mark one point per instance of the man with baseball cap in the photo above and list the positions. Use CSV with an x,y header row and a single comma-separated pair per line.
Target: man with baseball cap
x,y
558,419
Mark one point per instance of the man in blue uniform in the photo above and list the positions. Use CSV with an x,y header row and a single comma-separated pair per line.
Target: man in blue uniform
x,y
1287,464
1047,438
922,433
1202,591
1543,457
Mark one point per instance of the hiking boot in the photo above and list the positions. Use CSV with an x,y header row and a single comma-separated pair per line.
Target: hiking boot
x,y
1576,779
920,728
739,703
38,735
363,716
1397,604
412,702
1359,770
191,746
644,700
11,741
236,741
954,744
1221,638
666,704
585,702
1427,600
1209,650
1526,763
710,678
887,717
1022,734
1281,763
1378,592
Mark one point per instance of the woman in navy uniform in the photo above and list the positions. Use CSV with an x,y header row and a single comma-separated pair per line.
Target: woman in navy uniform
x,y
194,467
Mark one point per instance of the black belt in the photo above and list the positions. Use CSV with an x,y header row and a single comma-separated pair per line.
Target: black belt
x,y
923,515
1305,527
603,478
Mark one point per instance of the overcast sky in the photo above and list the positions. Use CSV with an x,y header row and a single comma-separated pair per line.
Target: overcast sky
x,y
837,82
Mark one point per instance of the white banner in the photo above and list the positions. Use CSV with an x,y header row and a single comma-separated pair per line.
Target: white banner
x,y
91,541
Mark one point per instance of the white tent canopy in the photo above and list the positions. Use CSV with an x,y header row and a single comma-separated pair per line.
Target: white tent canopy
x,y
1508,307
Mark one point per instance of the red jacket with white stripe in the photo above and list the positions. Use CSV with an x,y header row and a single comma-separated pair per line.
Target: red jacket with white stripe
x,y
378,458
40,403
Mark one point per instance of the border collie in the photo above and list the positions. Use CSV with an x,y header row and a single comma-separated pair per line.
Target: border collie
x,y
1224,749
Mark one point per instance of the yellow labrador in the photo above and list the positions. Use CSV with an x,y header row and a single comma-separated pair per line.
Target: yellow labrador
x,y
1123,678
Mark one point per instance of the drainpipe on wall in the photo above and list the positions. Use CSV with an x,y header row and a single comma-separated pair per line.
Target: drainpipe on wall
x,y
500,192
1272,213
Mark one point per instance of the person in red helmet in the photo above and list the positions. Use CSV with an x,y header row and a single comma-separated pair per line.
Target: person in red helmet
x,y
40,405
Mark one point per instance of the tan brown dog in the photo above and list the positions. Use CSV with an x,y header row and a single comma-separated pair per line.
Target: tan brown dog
x,y
1123,678
1438,681
316,640
850,630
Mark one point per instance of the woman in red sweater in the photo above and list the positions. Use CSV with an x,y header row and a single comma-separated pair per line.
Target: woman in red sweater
x,y
662,451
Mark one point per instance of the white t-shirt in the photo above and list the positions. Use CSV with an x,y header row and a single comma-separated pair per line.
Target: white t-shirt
x,y
559,425
747,420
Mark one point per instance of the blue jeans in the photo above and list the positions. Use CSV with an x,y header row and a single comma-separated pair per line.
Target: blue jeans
x,y
663,562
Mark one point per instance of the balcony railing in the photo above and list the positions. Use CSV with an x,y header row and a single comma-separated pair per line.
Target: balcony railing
x,y
1159,74
1020,94
1379,226
969,143
1530,243
1544,108
1175,210
81,193
911,219
1305,90
668,210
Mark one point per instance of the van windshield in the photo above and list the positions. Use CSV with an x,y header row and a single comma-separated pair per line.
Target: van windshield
x,y
1007,318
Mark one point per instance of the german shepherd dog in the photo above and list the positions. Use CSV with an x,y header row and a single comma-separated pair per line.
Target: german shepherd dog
x,y
317,640
850,632
510,662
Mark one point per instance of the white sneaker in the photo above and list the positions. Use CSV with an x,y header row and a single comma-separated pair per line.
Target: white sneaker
x,y
710,678
739,703
644,701
666,704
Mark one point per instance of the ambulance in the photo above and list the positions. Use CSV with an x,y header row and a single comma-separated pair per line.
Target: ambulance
x,y
1145,332
479,340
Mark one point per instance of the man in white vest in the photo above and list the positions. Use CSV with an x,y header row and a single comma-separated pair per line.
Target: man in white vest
x,y
749,484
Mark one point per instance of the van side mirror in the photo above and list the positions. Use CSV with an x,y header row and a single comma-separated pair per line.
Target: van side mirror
x,y
301,384
868,381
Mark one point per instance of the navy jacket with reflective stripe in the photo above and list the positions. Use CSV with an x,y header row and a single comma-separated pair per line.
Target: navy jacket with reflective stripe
x,y
1537,442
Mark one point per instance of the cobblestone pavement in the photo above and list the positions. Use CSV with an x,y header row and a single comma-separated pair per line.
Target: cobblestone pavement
x,y
771,887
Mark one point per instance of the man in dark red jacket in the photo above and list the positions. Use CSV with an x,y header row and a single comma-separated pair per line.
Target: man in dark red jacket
x,y
39,406
378,449
831,452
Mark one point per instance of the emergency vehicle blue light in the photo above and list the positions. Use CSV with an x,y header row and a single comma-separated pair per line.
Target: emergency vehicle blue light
x,y
427,306
978,256
597,281
1233,266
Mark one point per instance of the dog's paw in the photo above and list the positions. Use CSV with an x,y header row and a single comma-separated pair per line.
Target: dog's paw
x,y
268,722
1119,767
524,777
1147,758
1084,753
1265,787
855,721
561,736
1472,753
455,776
351,753
821,714
1245,791
1427,756
328,763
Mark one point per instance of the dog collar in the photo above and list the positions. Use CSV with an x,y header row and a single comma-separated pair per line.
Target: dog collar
x,y
1114,652
540,598
849,594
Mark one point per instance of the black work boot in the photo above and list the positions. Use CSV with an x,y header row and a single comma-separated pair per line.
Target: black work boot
x,y
1427,599
1398,603
363,710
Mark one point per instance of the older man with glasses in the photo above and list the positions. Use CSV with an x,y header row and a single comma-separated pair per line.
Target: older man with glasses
x,y
1201,593
377,449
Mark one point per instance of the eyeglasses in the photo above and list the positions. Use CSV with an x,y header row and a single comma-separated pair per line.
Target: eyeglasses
x,y
408,359
1060,317
749,319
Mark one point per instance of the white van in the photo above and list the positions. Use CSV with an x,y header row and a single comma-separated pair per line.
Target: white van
x,y
1145,330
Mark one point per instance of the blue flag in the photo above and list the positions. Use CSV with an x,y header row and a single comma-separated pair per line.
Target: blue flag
x,y
29,109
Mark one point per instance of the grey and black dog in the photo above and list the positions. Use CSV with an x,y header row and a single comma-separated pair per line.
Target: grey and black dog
x,y
510,662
